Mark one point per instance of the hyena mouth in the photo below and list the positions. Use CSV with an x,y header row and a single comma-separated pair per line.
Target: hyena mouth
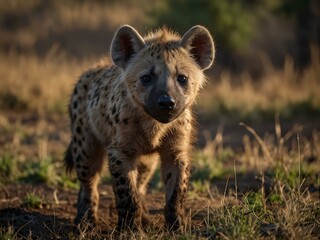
x,y
162,116
165,118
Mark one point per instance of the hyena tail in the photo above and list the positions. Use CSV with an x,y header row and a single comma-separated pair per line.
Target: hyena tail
x,y
68,159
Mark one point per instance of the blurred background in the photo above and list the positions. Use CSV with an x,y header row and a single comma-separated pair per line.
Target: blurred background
x,y
266,75
267,61
243,30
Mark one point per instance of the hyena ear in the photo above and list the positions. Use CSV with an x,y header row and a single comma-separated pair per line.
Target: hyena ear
x,y
125,44
199,43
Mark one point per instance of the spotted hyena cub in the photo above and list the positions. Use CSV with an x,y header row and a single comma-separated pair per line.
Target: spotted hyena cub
x,y
137,110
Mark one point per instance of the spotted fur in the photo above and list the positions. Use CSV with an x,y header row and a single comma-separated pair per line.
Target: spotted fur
x,y
137,110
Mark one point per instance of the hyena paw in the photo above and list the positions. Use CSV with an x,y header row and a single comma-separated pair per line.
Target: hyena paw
x,y
175,222
87,218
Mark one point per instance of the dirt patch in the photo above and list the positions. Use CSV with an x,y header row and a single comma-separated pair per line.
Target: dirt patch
x,y
30,137
54,218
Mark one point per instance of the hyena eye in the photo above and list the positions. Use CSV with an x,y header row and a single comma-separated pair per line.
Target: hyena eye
x,y
182,79
145,79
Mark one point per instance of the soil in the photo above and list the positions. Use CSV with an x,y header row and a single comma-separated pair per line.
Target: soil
x,y
54,217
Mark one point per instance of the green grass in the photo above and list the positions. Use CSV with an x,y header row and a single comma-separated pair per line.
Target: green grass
x,y
32,201
286,163
40,171
7,168
7,233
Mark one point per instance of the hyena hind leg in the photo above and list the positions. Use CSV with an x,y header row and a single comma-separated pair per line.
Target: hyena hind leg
x,y
88,163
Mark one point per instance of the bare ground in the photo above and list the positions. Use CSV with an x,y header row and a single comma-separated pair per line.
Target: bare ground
x,y
54,217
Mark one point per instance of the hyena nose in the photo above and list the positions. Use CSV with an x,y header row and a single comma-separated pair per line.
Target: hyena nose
x,y
166,102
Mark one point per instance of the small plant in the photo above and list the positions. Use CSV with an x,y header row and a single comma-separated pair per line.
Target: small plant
x,y
66,182
7,168
7,233
32,201
200,186
42,171
233,222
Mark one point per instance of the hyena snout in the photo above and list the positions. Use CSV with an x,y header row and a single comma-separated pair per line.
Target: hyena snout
x,y
162,107
166,103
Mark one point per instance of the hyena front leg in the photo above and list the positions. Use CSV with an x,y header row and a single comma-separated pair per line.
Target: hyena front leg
x,y
175,167
146,166
123,170
88,161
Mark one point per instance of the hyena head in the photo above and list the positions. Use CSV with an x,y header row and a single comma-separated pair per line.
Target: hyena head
x,y
163,71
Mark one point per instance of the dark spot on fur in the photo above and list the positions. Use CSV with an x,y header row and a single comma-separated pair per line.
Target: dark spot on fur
x,y
125,121
117,118
78,159
81,121
122,180
118,162
116,174
112,158
169,175
84,173
121,193
85,87
78,129
75,104
85,167
129,153
123,93
76,91
114,109
84,153
117,59
181,122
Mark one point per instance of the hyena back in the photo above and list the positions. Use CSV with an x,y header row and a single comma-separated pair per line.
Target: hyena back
x,y
136,111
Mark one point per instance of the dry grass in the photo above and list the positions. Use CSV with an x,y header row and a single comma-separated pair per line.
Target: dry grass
x,y
38,79
26,22
43,84
37,84
286,91
282,203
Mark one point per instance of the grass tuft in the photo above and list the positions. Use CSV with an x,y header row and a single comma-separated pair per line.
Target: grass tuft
x,y
32,201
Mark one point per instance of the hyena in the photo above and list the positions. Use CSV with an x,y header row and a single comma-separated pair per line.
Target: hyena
x,y
134,111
